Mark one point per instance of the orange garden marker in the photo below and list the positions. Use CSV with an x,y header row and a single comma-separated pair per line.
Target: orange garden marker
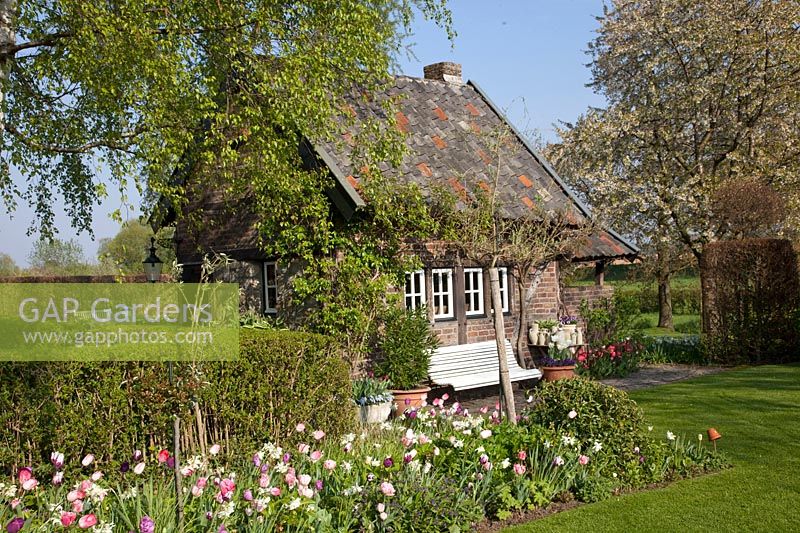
x,y
713,435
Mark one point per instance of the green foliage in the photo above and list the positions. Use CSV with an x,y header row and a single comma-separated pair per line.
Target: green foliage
x,y
8,267
686,349
110,409
686,296
57,257
753,294
136,87
371,391
405,347
125,251
608,320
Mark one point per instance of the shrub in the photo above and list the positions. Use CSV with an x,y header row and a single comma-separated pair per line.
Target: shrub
x,y
752,291
604,418
686,296
405,347
110,409
609,320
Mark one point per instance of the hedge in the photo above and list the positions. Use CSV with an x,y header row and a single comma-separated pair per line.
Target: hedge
x,y
686,297
752,293
111,409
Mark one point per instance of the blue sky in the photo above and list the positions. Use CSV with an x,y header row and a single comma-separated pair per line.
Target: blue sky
x,y
528,55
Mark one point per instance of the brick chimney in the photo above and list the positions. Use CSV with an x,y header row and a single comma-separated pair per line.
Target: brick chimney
x,y
444,71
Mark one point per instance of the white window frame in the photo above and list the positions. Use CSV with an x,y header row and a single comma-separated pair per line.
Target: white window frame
x,y
441,295
416,282
473,291
503,276
270,307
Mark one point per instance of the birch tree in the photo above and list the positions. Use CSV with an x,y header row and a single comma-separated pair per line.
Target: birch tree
x,y
131,85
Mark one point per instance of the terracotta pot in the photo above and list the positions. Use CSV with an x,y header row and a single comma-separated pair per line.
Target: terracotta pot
x,y
554,373
374,414
408,399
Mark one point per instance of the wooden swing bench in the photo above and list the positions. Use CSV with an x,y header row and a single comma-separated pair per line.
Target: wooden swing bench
x,y
469,366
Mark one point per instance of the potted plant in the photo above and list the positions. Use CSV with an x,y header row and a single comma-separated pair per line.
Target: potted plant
x,y
569,325
404,356
373,399
559,363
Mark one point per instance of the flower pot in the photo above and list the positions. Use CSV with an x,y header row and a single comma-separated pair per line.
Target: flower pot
x,y
410,399
375,413
544,338
554,373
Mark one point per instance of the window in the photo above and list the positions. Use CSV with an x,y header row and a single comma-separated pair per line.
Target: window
x,y
270,287
473,291
503,275
442,279
415,289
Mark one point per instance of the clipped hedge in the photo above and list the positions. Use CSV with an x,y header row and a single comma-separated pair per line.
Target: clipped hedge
x,y
686,297
110,409
752,293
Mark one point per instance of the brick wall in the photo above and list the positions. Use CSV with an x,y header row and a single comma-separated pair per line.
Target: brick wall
x,y
572,296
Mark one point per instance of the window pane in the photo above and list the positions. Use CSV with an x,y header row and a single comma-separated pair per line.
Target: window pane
x,y
271,274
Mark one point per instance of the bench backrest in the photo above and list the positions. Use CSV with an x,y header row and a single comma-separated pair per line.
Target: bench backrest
x,y
468,359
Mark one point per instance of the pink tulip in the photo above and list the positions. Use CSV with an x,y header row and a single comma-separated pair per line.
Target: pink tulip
x,y
290,479
58,478
202,482
77,506
30,484
24,474
387,489
275,491
315,456
75,495
522,455
87,521
303,448
214,450
329,464
15,503
138,469
89,459
300,427
318,434
583,460
304,479
57,458
68,518
306,492
226,487
263,482
196,491
519,469
96,476
86,484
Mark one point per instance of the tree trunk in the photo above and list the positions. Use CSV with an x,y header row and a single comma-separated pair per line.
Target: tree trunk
x,y
525,297
8,38
507,393
664,298
706,296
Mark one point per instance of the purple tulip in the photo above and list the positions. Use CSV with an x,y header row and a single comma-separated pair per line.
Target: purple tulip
x,y
137,456
248,495
264,467
256,460
287,457
146,525
222,529
15,525
318,485
124,467
171,462
388,462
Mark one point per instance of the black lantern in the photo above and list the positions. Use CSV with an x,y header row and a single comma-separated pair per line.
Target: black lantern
x,y
152,265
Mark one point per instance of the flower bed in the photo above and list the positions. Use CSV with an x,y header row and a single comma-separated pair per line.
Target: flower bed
x,y
436,469
617,360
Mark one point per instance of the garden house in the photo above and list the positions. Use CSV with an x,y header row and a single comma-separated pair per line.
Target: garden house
x,y
443,120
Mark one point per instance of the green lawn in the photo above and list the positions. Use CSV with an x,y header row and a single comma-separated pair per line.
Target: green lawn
x,y
757,410
684,324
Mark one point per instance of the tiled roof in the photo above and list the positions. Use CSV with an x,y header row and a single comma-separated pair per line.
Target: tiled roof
x,y
448,129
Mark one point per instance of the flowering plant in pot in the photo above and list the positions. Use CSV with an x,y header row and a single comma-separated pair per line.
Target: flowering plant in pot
x,y
373,399
405,349
559,363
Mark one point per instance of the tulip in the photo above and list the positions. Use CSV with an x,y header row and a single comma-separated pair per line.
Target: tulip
x,y
138,469
519,469
89,459
15,525
146,525
315,456
583,460
387,489
248,495
30,484
67,518
522,455
318,434
57,458
196,491
329,464
77,506
163,455
124,467
24,474
58,478
75,495
137,456
214,450
171,463
96,476
300,427
87,521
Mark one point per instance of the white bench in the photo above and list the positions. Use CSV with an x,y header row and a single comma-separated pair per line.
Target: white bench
x,y
468,366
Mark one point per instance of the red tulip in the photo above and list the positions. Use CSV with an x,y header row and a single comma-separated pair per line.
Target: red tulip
x,y
163,456
87,521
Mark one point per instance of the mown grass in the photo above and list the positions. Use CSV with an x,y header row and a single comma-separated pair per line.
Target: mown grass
x,y
757,411
684,324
